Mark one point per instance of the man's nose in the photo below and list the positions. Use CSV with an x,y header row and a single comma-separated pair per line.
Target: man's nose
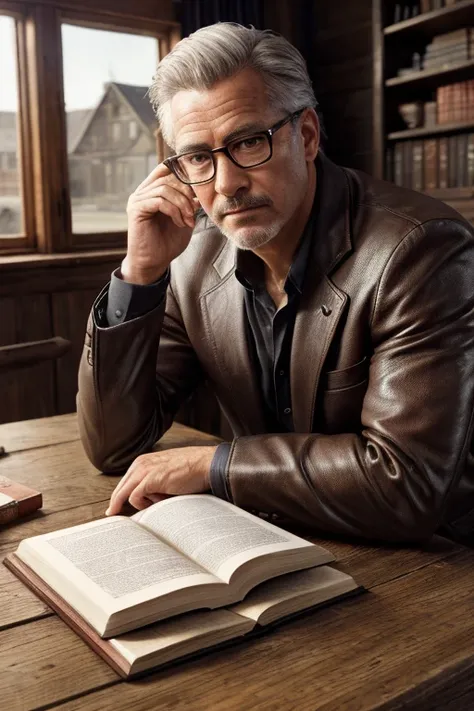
x,y
229,177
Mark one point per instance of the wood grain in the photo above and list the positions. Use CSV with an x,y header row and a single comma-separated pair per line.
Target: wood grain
x,y
388,644
30,434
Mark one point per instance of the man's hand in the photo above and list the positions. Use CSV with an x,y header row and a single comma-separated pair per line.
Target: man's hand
x,y
160,224
153,477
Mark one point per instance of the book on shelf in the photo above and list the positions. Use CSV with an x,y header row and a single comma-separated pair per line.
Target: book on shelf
x,y
216,570
17,500
425,165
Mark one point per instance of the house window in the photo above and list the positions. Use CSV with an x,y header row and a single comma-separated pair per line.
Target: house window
x,y
11,192
116,131
132,130
110,79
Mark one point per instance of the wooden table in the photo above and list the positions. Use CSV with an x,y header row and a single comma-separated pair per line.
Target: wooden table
x,y
408,643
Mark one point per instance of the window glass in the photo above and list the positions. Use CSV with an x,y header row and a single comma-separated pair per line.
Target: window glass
x,y
11,202
106,78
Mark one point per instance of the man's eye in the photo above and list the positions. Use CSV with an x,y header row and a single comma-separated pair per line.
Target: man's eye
x,y
249,143
198,158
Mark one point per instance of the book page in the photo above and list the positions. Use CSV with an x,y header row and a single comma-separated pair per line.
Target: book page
x,y
110,565
167,640
293,592
216,534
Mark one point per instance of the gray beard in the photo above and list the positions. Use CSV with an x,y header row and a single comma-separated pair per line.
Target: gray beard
x,y
259,236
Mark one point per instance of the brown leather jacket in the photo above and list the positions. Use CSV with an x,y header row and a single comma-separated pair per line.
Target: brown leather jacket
x,y
382,368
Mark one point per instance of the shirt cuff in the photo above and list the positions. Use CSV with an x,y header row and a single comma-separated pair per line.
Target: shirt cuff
x,y
218,476
128,301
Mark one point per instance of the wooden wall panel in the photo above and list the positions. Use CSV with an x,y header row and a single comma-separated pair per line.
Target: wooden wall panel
x,y
70,312
26,392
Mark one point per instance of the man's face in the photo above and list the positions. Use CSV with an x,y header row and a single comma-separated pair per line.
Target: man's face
x,y
250,206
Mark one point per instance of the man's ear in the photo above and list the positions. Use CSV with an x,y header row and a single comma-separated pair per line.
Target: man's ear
x,y
311,133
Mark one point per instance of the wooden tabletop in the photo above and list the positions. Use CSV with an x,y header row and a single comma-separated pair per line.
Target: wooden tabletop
x,y
408,643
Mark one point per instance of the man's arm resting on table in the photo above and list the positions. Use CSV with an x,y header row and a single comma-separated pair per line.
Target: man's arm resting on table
x,y
393,479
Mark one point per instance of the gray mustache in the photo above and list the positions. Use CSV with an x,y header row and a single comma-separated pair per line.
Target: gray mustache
x,y
243,203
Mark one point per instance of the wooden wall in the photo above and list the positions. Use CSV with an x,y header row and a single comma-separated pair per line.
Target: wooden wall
x,y
335,37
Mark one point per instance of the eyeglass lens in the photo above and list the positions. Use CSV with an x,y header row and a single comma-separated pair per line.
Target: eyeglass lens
x,y
246,152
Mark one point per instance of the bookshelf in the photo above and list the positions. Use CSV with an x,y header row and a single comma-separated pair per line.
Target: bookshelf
x,y
426,62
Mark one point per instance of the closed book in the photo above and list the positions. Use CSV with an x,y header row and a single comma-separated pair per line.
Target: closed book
x,y
425,6
443,162
470,160
408,164
452,161
398,164
461,164
418,181
431,164
17,500
456,35
430,114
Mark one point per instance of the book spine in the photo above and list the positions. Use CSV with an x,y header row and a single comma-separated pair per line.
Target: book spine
x,y
418,182
407,164
470,160
461,167
431,164
425,6
443,162
398,164
389,165
452,161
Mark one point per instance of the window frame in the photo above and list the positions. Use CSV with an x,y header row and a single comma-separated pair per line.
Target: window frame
x,y
24,241
43,139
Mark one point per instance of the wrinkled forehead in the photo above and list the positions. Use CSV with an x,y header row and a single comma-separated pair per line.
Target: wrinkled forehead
x,y
206,117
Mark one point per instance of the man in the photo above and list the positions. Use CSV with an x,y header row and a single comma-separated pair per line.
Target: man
x,y
333,314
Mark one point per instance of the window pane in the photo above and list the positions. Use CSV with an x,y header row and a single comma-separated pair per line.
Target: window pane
x,y
110,122
11,203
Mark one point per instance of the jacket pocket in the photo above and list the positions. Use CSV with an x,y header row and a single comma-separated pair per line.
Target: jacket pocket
x,y
340,400
347,377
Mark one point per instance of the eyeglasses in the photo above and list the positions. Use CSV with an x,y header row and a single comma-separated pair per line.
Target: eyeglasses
x,y
196,167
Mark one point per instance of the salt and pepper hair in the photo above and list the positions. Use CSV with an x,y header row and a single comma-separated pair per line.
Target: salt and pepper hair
x,y
222,50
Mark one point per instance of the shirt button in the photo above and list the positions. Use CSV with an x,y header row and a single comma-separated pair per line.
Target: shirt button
x,y
287,410
119,313
282,372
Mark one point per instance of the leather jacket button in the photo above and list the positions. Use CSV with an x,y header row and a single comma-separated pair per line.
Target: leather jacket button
x,y
326,310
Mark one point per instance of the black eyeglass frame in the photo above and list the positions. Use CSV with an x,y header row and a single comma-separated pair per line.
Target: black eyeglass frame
x,y
268,133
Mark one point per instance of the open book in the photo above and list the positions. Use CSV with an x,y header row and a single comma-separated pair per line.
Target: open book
x,y
194,633
184,553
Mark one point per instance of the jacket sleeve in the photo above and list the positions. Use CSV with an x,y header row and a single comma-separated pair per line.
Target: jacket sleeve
x,y
132,379
392,480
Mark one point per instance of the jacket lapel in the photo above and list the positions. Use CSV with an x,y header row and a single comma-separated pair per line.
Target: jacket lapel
x,y
322,303
224,318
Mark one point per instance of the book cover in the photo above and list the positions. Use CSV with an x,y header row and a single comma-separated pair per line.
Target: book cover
x,y
17,500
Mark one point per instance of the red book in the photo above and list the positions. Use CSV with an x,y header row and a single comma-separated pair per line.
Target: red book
x,y
17,500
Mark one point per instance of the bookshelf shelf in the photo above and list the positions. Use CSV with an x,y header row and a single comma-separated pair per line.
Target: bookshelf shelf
x,y
435,159
437,21
432,79
442,129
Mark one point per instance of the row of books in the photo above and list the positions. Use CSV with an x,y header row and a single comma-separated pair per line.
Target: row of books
x,y
446,162
405,10
444,51
455,102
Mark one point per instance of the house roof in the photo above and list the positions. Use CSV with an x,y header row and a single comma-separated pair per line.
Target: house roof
x,y
136,98
139,101
75,121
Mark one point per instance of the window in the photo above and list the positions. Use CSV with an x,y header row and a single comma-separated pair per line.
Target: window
x,y
11,193
60,185
105,89
132,130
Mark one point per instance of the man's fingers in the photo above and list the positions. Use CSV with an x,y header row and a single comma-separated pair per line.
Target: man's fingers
x,y
168,193
122,493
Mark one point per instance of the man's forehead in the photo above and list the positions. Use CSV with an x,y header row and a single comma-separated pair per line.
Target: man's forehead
x,y
219,110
